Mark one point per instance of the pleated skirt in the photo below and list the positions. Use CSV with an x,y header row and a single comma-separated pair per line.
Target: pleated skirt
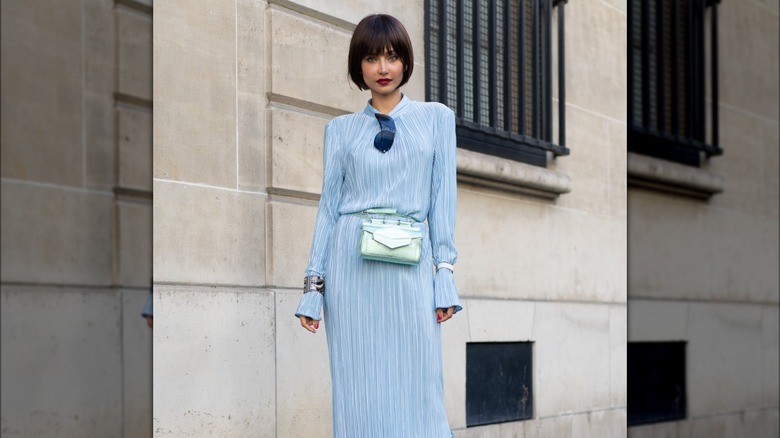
x,y
384,343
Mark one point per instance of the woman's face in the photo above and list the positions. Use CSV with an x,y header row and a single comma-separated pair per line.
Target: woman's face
x,y
383,73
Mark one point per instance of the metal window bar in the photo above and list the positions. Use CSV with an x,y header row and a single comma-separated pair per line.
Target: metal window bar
x,y
561,73
714,69
492,69
507,67
476,57
547,49
442,50
460,62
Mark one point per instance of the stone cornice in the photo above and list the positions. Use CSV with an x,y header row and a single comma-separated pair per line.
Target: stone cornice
x,y
667,176
502,174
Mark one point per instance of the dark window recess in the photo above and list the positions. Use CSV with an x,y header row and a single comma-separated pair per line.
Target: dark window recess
x,y
668,72
491,62
498,382
656,382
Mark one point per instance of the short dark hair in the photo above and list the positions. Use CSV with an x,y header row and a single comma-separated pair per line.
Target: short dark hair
x,y
372,36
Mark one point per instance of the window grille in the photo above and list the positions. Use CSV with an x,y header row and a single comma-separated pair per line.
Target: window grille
x,y
499,382
656,382
491,62
667,73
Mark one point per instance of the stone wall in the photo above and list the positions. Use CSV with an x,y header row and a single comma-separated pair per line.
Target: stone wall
x,y
76,218
705,271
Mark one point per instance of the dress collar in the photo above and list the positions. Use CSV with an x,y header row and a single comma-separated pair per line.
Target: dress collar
x,y
370,110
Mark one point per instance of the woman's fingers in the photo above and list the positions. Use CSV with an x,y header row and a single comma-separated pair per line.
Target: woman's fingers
x,y
443,315
309,324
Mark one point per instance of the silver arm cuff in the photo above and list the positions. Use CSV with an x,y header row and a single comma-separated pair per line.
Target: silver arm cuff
x,y
314,283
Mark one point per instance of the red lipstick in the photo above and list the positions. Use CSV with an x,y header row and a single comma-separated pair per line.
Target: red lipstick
x,y
384,81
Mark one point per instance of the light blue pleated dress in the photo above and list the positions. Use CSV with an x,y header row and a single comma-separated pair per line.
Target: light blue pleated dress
x,y
383,337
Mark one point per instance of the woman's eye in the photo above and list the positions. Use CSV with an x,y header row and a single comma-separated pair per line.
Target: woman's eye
x,y
393,57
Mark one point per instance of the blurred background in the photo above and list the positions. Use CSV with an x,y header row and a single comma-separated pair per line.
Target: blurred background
x,y
639,182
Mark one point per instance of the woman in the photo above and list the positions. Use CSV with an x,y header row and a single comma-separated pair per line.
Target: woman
x,y
383,335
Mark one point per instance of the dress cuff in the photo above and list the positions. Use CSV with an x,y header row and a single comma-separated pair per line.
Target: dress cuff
x,y
310,305
445,294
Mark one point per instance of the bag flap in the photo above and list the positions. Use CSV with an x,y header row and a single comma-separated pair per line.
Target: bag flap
x,y
393,236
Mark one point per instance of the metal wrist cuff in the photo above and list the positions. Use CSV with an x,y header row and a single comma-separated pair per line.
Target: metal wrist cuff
x,y
314,283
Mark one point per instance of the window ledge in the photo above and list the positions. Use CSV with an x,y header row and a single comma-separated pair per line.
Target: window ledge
x,y
667,176
499,173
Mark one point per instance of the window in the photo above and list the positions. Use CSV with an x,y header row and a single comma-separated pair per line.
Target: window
x,y
491,62
656,382
498,382
668,74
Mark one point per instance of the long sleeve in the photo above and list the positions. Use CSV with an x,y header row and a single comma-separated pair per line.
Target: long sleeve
x,y
441,216
327,215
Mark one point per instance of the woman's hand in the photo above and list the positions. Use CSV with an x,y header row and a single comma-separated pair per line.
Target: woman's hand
x,y
444,314
310,324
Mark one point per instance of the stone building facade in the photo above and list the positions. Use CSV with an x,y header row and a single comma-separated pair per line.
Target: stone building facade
x,y
242,92
76,218
703,244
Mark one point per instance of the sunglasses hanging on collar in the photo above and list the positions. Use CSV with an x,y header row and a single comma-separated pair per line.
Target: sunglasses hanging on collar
x,y
384,138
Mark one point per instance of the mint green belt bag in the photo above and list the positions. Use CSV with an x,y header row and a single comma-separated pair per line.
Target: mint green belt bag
x,y
390,240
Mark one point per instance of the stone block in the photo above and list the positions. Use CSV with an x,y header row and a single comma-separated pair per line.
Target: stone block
x,y
724,355
137,365
500,320
296,145
747,71
587,134
302,373
770,341
739,257
608,423
134,138
667,255
454,336
99,69
351,11
741,137
587,257
770,168
657,320
558,426
195,92
55,235
61,362
617,170
208,235
618,353
311,72
671,429
517,263
42,94
134,50
134,234
251,94
596,67
571,358
214,370
292,229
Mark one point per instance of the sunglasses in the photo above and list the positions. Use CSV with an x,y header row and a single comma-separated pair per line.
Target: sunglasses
x,y
384,138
